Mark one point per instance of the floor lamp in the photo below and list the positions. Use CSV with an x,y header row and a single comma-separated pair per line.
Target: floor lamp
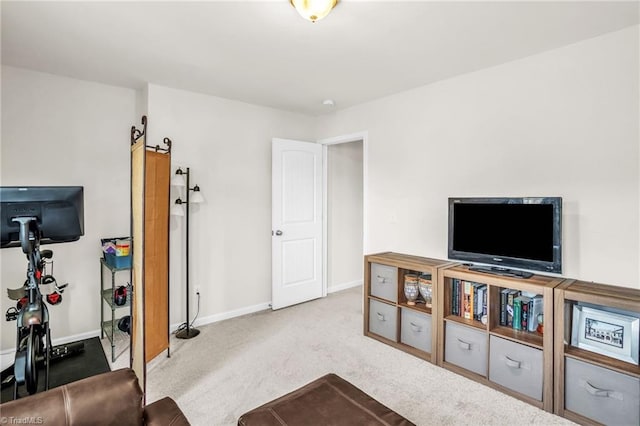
x,y
181,179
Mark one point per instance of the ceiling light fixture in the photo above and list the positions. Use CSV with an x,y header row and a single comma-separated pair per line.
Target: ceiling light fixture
x,y
313,10
329,102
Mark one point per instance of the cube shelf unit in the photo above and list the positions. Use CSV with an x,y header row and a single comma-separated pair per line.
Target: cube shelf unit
x,y
592,388
387,315
518,363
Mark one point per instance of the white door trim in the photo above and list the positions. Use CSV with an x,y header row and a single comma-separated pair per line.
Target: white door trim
x,y
352,137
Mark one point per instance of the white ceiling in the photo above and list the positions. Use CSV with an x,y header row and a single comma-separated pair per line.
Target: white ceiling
x,y
264,53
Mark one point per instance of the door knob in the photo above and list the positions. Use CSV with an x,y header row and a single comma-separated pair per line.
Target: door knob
x,y
278,232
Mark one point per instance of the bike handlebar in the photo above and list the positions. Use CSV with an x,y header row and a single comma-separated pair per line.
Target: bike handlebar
x,y
28,239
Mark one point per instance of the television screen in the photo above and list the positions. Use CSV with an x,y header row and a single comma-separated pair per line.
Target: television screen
x,y
58,212
507,232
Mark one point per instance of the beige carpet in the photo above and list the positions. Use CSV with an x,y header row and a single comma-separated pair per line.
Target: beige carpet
x,y
239,364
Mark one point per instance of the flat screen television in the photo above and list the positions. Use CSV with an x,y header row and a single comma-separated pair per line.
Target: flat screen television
x,y
58,210
509,232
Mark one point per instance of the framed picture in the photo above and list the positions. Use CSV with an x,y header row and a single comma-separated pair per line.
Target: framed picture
x,y
607,333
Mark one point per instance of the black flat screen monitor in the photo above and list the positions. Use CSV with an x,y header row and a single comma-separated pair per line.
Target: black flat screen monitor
x,y
507,232
59,212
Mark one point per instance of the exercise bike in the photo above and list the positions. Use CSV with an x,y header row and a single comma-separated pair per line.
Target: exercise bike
x,y
33,337
31,216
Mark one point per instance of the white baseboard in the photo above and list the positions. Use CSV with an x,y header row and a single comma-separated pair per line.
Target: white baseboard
x,y
255,308
344,286
7,356
226,315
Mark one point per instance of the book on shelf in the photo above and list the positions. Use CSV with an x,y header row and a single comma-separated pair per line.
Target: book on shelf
x,y
477,307
503,306
474,300
484,301
524,313
467,309
460,298
511,295
517,313
536,305
480,301
455,297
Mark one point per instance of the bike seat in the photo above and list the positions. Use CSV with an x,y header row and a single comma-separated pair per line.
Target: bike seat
x,y
46,254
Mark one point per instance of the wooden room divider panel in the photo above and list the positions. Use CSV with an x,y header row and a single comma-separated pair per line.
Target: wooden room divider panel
x,y
150,175
156,253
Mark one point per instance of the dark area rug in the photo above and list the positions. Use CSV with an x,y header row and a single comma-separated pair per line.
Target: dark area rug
x,y
89,362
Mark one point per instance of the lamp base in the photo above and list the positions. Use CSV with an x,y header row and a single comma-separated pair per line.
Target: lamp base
x,y
187,333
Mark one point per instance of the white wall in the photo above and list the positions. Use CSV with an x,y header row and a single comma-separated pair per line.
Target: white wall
x,y
227,145
345,215
60,131
564,122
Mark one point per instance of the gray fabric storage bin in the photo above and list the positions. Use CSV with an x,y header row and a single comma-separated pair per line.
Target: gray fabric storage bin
x,y
383,319
466,347
603,395
415,329
516,366
384,282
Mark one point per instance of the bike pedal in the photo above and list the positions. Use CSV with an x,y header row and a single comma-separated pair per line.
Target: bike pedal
x,y
54,298
8,380
48,279
12,314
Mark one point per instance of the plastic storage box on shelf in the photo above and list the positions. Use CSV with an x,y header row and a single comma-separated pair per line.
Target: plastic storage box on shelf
x,y
118,261
117,252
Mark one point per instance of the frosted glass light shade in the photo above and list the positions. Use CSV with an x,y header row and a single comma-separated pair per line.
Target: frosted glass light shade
x,y
177,209
196,197
178,180
313,10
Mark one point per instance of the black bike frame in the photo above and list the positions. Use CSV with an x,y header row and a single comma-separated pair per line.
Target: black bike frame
x,y
34,315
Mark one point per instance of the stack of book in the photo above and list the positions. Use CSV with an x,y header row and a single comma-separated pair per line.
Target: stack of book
x,y
469,299
518,311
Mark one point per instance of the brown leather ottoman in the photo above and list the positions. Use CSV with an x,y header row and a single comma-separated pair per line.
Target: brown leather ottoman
x,y
329,400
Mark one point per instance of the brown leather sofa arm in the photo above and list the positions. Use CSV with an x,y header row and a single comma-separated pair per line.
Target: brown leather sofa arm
x,y
164,412
112,398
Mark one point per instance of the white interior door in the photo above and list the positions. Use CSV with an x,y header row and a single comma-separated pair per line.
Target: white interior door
x,y
296,222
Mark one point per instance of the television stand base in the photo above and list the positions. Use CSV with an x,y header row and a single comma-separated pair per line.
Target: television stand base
x,y
495,270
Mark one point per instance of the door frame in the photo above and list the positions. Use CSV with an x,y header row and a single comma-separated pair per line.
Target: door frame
x,y
326,142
